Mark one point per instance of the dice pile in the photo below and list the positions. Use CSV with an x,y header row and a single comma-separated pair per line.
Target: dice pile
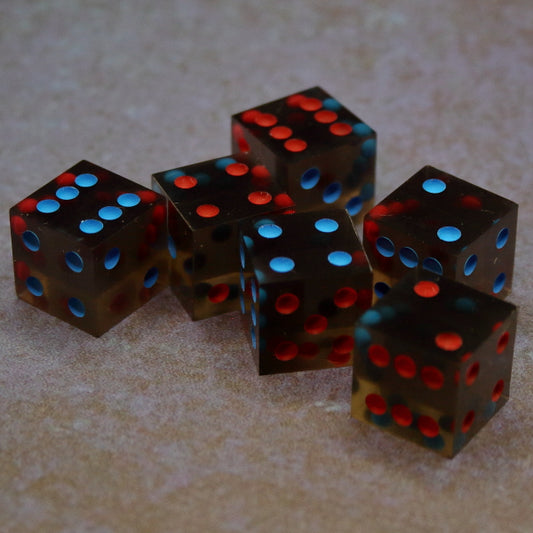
x,y
269,230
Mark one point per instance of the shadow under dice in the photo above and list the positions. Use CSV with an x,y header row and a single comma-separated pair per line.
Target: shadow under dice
x,y
320,152
89,247
433,361
206,202
305,281
446,225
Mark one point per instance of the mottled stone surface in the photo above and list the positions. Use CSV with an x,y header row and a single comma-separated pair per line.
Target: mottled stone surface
x,y
162,424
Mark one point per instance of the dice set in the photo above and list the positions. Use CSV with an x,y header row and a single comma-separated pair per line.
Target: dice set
x,y
417,308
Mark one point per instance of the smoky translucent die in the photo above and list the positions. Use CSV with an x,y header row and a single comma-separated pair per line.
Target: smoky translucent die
x,y
433,361
305,281
320,152
206,203
446,225
89,247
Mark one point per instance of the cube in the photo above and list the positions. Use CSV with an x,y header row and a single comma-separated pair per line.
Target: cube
x,y
446,225
309,281
89,247
206,202
433,361
320,152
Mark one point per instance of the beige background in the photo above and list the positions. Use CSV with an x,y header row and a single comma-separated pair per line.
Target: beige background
x,y
163,424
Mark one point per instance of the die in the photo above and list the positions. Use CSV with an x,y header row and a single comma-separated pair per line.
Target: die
x,y
206,202
320,152
89,247
433,361
305,281
447,225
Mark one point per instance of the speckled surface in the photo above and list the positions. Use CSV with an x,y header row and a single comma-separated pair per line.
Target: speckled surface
x,y
162,424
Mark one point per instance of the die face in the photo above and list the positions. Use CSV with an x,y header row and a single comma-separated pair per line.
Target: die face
x,y
90,311
488,264
290,332
305,244
83,234
221,191
206,203
448,226
87,203
212,272
301,306
484,378
433,361
321,153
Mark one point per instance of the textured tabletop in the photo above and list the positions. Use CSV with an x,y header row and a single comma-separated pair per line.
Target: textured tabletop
x,y
162,424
